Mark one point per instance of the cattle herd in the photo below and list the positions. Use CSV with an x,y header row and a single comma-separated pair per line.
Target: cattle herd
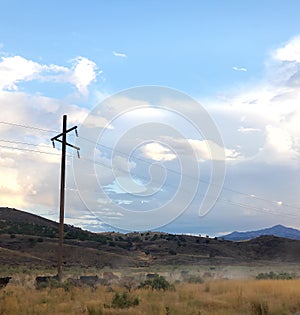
x,y
44,281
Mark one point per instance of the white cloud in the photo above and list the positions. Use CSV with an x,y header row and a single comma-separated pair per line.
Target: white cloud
x,y
269,111
157,152
239,69
205,150
28,179
279,147
264,117
248,129
17,69
8,180
117,54
84,72
289,52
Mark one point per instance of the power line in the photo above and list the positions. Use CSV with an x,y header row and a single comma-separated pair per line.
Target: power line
x,y
28,150
25,143
252,196
220,199
27,126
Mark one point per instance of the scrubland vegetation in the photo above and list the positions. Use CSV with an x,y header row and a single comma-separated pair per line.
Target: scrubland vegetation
x,y
215,297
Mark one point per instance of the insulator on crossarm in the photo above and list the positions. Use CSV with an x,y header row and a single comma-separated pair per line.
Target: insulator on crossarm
x,y
53,144
76,132
78,154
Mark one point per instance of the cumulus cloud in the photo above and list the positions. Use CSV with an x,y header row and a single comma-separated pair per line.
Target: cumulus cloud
x,y
280,147
17,69
29,173
269,111
289,52
83,73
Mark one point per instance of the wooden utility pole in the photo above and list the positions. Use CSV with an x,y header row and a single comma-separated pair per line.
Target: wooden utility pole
x,y
62,189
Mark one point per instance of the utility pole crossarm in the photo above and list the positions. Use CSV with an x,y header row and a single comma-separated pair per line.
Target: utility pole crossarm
x,y
68,144
67,131
62,188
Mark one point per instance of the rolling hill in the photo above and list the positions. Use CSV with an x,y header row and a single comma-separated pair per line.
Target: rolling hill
x,y
27,239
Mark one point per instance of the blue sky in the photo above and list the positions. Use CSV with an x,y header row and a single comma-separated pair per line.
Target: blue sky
x,y
190,46
239,59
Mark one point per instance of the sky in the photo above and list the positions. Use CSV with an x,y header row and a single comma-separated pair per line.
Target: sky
x,y
187,111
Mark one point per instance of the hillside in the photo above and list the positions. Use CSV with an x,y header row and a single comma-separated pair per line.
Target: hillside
x,y
26,239
14,221
277,230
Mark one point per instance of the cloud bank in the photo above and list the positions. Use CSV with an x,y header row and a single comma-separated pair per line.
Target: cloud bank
x,y
259,124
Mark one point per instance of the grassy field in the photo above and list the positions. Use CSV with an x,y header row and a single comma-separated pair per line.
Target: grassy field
x,y
226,297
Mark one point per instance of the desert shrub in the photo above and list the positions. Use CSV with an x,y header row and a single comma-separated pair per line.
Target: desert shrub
x,y
136,239
124,300
157,283
172,252
154,238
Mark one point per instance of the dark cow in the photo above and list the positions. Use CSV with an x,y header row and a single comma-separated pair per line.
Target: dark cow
x,y
44,281
89,280
151,276
4,281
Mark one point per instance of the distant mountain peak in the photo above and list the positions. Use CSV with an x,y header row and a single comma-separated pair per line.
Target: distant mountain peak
x,y
278,230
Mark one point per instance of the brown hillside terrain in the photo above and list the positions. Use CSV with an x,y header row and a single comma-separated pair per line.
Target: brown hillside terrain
x,y
27,239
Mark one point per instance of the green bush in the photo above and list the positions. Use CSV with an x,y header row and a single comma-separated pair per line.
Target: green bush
x,y
157,283
154,238
124,301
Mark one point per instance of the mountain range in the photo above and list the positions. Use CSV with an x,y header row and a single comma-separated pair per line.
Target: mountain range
x,y
277,230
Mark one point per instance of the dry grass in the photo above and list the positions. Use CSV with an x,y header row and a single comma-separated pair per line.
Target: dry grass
x,y
227,297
